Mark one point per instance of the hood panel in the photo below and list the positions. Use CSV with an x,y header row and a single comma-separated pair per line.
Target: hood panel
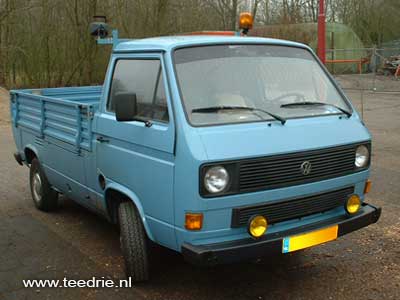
x,y
259,139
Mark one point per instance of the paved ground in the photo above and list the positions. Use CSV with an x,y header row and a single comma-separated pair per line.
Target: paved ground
x,y
74,243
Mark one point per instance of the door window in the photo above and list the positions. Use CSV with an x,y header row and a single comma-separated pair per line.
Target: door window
x,y
142,77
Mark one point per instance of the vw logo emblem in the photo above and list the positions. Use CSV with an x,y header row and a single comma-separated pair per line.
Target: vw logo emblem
x,y
306,167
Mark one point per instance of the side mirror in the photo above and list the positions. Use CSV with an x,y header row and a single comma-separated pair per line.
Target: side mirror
x,y
125,107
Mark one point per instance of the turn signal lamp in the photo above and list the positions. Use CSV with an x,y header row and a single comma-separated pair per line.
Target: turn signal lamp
x,y
245,21
193,221
353,204
368,186
257,226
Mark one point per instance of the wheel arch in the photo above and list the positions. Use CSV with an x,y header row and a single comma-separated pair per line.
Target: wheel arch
x,y
114,194
30,152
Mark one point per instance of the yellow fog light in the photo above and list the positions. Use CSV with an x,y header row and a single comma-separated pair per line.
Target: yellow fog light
x,y
257,226
353,204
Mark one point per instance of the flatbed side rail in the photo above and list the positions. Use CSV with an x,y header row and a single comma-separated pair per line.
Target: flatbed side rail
x,y
65,121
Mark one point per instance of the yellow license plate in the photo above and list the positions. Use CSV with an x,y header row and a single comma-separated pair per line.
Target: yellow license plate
x,y
305,240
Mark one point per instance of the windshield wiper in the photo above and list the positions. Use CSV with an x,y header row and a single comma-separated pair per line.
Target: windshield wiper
x,y
212,109
305,103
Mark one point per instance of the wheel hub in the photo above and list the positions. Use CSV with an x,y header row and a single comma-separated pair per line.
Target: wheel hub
x,y
37,187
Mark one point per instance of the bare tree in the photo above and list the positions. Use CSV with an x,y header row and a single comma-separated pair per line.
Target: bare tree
x,y
46,43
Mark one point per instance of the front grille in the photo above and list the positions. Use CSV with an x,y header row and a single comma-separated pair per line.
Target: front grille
x,y
291,209
285,170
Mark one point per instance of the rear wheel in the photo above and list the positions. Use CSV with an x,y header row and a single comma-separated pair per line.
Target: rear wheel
x,y
133,241
44,197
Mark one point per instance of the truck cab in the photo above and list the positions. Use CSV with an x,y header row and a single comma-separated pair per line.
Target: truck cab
x,y
223,148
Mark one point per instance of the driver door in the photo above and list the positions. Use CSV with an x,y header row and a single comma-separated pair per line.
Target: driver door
x,y
139,155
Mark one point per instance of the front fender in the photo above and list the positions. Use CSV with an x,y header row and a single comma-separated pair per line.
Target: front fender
x,y
135,199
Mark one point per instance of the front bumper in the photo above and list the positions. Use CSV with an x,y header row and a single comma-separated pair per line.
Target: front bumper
x,y
245,249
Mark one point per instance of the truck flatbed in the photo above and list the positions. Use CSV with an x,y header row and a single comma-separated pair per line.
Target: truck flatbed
x,y
63,115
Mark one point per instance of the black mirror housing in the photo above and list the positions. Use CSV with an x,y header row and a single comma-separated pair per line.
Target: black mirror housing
x,y
99,27
125,107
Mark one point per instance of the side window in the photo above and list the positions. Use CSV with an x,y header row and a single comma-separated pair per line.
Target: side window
x,y
143,78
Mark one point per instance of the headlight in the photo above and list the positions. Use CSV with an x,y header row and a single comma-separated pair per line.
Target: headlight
x,y
216,179
362,156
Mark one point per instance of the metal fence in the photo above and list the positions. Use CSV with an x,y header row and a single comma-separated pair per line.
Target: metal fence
x,y
372,69
370,76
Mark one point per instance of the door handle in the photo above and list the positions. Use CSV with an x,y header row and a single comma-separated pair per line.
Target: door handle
x,y
101,139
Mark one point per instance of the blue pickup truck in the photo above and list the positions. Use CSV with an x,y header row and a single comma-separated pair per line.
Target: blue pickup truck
x,y
222,148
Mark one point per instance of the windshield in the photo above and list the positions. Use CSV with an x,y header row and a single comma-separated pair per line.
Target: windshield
x,y
255,80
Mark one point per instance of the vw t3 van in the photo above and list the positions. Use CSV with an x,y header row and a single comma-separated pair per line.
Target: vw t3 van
x,y
222,148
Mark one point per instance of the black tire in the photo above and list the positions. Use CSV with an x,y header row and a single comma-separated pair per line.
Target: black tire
x,y
43,196
133,241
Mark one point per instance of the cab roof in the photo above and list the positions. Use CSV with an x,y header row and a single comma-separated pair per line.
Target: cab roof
x,y
169,43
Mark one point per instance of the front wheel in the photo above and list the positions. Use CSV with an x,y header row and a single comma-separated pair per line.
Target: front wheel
x,y
44,197
133,241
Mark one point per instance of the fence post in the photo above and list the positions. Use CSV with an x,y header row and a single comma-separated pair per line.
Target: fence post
x,y
362,103
375,62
